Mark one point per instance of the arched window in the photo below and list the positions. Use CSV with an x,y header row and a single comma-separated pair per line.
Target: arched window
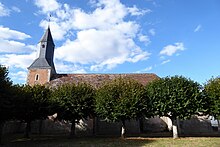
x,y
37,77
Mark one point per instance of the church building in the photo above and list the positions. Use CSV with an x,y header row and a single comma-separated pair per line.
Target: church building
x,y
43,71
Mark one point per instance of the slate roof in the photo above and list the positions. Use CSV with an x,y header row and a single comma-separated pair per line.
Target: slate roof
x,y
47,37
40,63
97,80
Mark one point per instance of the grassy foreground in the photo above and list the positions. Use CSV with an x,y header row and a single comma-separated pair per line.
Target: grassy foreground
x,y
63,141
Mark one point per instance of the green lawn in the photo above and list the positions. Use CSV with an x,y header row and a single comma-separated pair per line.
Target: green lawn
x,y
63,141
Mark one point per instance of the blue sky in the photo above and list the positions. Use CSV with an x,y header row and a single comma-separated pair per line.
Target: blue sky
x,y
165,37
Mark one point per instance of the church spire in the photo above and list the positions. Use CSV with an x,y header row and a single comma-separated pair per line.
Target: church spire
x,y
45,59
47,37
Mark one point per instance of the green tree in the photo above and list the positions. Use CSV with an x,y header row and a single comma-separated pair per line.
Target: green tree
x,y
120,100
212,91
32,103
74,102
6,101
175,97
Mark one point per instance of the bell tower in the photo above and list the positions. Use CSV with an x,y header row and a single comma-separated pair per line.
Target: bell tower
x,y
42,69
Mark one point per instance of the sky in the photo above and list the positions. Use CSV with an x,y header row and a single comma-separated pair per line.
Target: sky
x,y
165,37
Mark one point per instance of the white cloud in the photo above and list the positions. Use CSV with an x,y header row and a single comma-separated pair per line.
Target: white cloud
x,y
152,32
16,9
198,28
8,43
18,61
166,61
6,33
100,48
145,69
3,10
144,38
21,76
10,46
134,11
62,67
169,50
47,5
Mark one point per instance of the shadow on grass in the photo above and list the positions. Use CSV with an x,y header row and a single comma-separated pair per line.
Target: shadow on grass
x,y
63,140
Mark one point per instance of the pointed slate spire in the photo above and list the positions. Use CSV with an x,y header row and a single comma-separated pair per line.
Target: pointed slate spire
x,y
47,37
45,59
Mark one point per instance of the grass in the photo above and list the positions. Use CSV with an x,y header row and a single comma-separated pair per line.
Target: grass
x,y
63,141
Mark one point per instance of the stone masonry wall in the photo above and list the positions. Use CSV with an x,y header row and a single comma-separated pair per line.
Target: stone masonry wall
x,y
43,76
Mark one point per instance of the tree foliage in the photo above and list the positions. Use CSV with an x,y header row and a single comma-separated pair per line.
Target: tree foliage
x,y
120,100
74,102
212,91
32,103
6,101
176,97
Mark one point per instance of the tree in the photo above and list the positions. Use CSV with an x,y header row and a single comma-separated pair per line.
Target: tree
x,y
120,100
6,101
212,91
175,97
74,102
32,103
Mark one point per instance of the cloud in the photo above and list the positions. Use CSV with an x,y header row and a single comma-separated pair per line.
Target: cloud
x,y
16,9
165,61
144,38
198,28
17,61
21,76
152,32
6,33
48,5
134,11
8,43
10,46
145,69
169,50
14,53
3,10
68,67
114,48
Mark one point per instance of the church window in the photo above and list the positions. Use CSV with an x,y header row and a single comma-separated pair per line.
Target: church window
x,y
37,77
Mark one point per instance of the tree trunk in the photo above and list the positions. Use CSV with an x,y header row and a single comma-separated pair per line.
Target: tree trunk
x,y
27,129
1,130
123,129
218,126
40,126
72,133
141,125
175,129
94,123
178,126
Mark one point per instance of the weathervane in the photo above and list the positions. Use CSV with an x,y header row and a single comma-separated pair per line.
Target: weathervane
x,y
49,20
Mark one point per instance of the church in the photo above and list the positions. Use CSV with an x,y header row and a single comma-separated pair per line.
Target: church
x,y
43,70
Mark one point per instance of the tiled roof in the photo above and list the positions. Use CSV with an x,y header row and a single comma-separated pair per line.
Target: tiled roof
x,y
97,80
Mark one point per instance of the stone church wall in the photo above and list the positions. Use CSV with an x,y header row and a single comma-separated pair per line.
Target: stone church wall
x,y
89,127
